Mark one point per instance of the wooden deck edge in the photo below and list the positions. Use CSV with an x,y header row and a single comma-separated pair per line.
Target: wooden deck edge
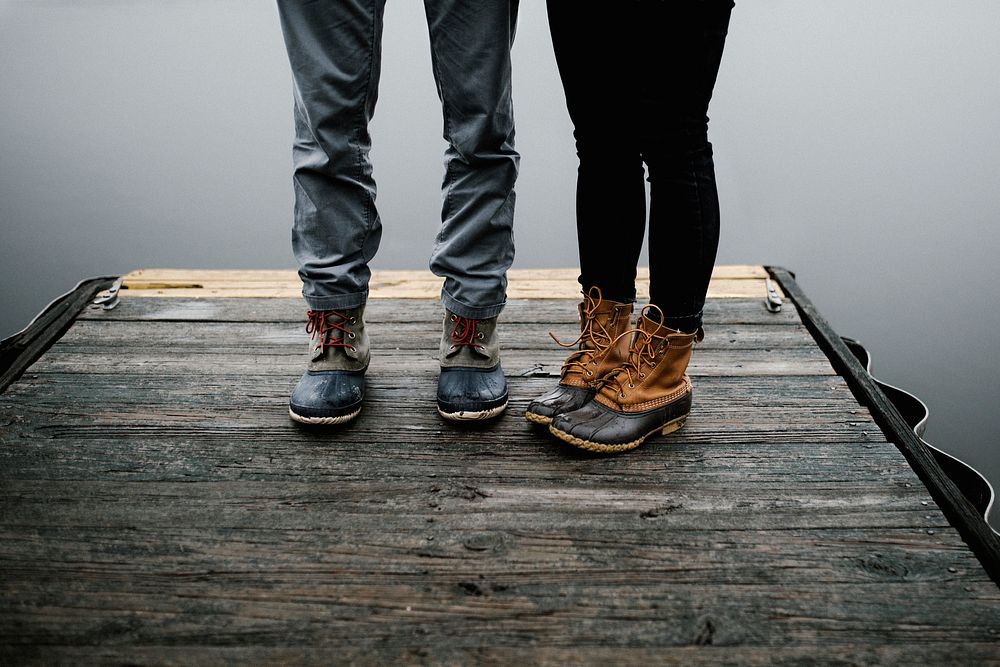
x,y
19,351
972,483
973,528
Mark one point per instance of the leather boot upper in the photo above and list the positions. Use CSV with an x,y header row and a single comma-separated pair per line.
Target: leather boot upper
x,y
602,343
654,373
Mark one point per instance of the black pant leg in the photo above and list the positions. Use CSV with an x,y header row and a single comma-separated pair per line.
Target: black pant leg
x,y
595,51
682,45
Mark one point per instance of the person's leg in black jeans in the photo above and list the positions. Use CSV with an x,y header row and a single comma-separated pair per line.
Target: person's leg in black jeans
x,y
681,48
638,78
596,51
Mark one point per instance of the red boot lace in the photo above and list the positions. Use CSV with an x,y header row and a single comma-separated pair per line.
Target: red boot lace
x,y
326,321
464,332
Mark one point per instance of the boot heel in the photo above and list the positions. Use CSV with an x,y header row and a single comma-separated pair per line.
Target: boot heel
x,y
670,427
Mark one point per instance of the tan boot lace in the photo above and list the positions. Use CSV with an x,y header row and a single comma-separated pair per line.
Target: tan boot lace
x,y
594,339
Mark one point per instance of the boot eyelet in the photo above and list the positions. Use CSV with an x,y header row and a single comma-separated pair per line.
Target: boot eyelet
x,y
631,386
590,373
642,375
354,320
480,335
353,349
453,318
621,395
351,335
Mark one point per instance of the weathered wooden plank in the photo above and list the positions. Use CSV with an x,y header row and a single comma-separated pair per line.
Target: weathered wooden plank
x,y
220,391
149,416
710,472
533,557
717,311
90,336
154,405
794,361
368,505
696,650
422,429
465,610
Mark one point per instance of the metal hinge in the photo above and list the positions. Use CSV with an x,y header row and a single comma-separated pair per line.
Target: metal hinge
x,y
773,301
109,299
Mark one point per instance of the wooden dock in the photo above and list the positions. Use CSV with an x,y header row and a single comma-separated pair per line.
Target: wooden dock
x,y
158,506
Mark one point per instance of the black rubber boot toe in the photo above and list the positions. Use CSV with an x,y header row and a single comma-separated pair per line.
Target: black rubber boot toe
x,y
327,397
559,400
471,393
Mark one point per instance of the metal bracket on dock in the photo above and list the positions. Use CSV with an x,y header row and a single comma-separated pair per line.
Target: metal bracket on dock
x,y
109,300
773,301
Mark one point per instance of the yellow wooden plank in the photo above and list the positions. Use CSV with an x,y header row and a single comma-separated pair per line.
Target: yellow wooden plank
x,y
188,277
728,281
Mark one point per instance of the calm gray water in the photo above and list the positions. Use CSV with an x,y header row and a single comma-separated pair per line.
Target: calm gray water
x,y
856,144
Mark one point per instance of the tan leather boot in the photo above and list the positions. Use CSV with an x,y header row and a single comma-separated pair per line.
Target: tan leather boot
x,y
649,393
603,346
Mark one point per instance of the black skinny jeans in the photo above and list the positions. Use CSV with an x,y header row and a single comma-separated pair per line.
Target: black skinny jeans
x,y
638,77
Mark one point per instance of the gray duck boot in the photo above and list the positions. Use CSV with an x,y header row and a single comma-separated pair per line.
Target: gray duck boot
x,y
471,385
333,387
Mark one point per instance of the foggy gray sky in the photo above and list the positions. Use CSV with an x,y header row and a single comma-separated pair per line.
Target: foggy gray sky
x,y
856,143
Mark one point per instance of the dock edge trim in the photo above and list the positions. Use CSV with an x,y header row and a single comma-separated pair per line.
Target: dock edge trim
x,y
20,350
973,484
972,527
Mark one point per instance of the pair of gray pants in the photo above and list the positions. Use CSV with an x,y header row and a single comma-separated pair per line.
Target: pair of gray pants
x,y
334,47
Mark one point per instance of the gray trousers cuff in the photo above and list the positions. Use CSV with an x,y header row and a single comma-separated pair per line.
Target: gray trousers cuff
x,y
336,301
472,312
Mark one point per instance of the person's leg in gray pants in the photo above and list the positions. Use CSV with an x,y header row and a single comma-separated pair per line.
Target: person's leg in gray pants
x,y
334,49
